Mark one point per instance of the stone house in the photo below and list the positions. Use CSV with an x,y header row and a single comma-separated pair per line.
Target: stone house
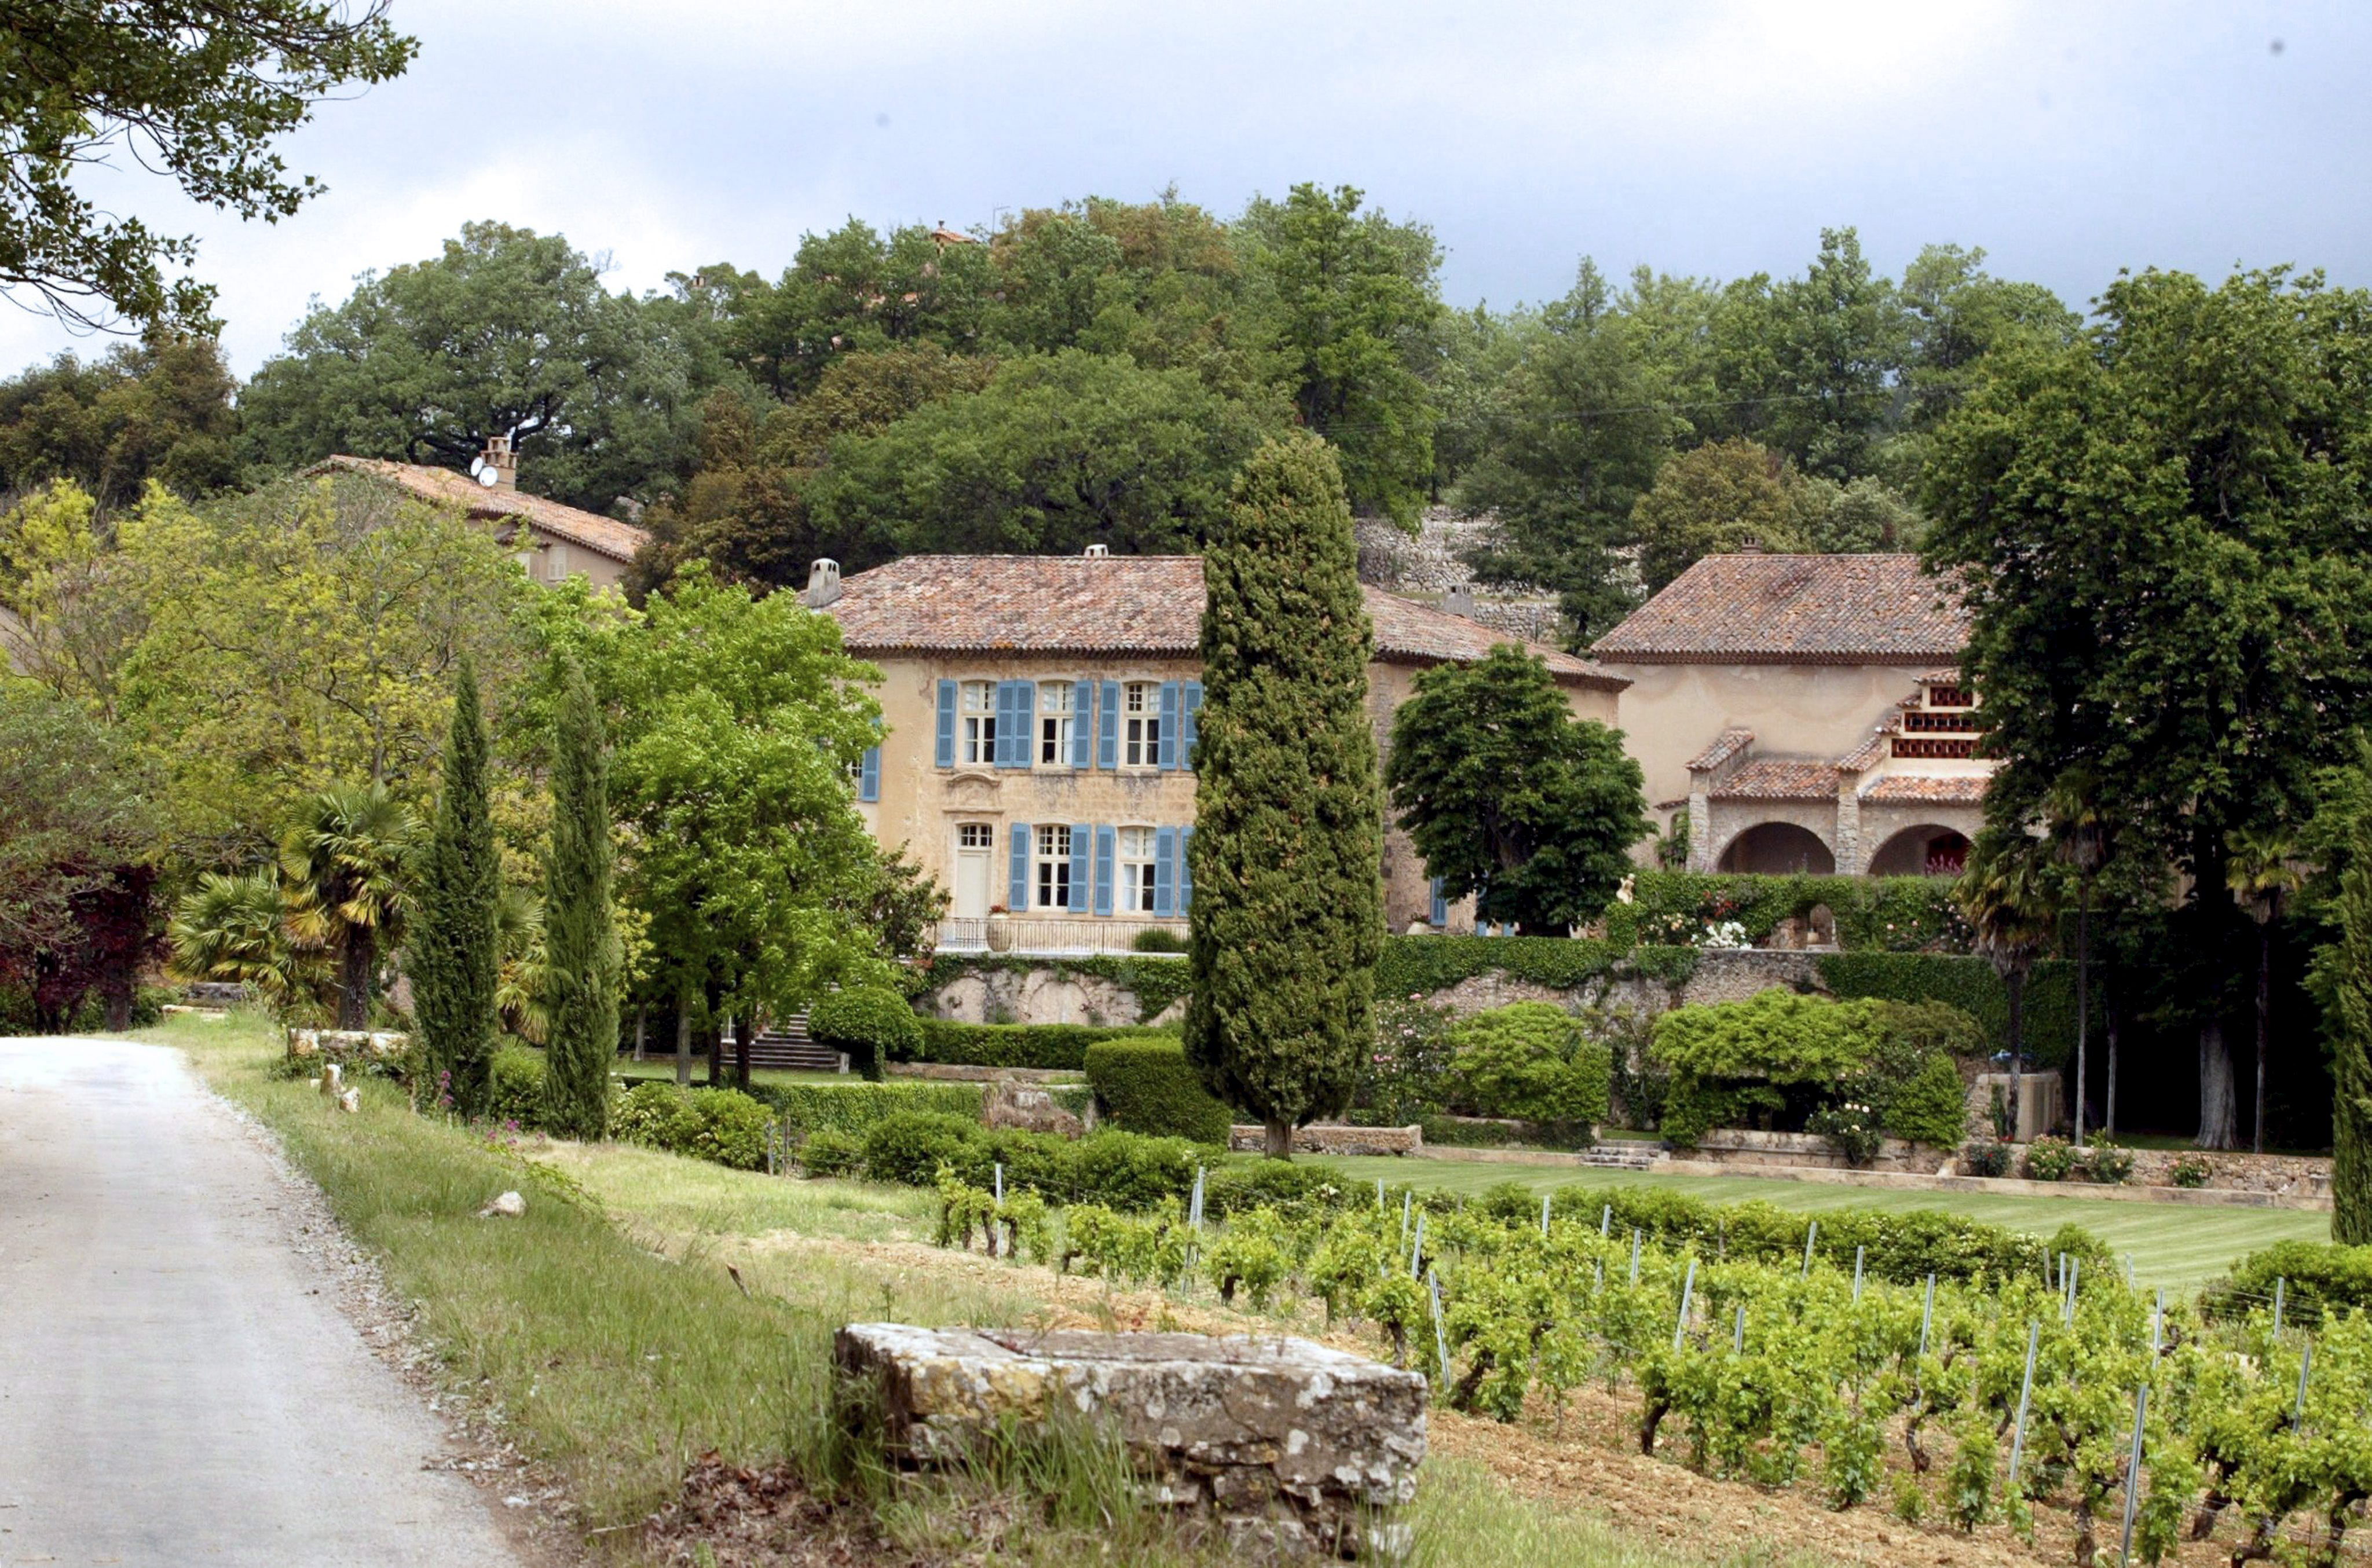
x,y
551,543
1804,713
1040,718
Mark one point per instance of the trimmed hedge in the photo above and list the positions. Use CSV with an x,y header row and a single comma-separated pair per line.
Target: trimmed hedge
x,y
515,1085
1531,1061
1120,1170
1058,1047
871,1022
1903,1248
1874,914
1413,966
854,1106
1839,1068
1971,985
723,1126
1148,1087
2322,1277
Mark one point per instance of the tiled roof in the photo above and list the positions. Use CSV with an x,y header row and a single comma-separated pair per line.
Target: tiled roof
x,y
603,536
1134,604
1950,789
1754,608
1870,752
1770,778
1726,745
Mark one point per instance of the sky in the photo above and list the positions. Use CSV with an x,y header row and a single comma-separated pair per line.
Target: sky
x,y
2067,139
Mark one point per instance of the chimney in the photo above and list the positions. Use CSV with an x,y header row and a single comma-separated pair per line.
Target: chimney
x,y
1097,551
497,466
823,583
1459,601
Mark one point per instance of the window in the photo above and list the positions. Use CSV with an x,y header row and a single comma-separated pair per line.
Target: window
x,y
1055,722
975,835
1141,702
977,743
1054,868
1136,871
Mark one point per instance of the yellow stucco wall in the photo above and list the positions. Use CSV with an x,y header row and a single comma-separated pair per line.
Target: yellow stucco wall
x,y
922,805
1672,712
556,560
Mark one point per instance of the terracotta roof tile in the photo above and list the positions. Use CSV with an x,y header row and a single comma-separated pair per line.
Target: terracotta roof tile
x,y
1949,789
1793,610
603,536
1770,778
1726,745
1870,752
1139,604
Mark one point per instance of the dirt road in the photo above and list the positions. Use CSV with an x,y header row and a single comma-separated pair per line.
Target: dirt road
x,y
178,1383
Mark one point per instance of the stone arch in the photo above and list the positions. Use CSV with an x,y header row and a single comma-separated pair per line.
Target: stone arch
x,y
1928,849
1778,848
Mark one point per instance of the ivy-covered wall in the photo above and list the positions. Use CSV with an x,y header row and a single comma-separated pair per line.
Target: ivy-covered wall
x,y
1971,985
1898,914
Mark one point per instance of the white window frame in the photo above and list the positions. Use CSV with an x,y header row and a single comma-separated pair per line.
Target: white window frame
x,y
1133,884
984,832
976,724
1140,708
1057,719
1049,867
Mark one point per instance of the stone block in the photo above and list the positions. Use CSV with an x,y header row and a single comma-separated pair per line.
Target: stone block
x,y
1331,1138
349,1047
1281,1444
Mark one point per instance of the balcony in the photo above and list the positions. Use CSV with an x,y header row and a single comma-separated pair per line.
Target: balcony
x,y
1039,936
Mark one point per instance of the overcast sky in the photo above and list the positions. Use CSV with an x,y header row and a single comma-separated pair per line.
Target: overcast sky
x,y
2067,139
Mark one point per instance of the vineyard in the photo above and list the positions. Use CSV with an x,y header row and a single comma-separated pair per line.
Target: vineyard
x,y
1962,1377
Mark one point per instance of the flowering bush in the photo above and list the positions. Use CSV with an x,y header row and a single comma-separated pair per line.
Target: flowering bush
x,y
1986,1157
1724,935
2108,1164
2049,1159
2192,1170
1407,1074
1850,1129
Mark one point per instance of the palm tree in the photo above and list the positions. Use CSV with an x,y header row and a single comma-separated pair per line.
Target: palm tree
x,y
2082,830
235,929
2005,894
2261,874
346,868
520,978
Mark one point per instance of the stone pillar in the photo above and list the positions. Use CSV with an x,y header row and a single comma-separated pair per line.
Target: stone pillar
x,y
1700,827
1848,845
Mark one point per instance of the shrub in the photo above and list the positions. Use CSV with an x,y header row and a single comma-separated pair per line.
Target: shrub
x,y
730,1129
872,1024
1057,1047
1147,1085
1986,1157
1532,1060
656,1115
1120,1169
1970,984
2192,1170
1931,1107
831,1152
2109,1164
1850,1129
2321,1278
1406,1074
851,1108
517,1086
1287,1186
2049,1159
910,1146
1156,939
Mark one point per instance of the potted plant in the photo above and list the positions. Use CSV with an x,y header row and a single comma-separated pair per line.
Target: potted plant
x,y
1000,929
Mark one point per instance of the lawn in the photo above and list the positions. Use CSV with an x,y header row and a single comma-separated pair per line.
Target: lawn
x,y
2173,1245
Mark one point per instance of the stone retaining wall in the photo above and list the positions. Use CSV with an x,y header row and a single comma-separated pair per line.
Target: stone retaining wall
x,y
1333,1138
1748,1150
344,1046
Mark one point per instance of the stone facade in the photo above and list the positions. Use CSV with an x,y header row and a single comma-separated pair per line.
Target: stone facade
x,y
1282,1447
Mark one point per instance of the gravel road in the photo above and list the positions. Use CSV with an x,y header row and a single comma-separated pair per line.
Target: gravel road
x,y
178,1383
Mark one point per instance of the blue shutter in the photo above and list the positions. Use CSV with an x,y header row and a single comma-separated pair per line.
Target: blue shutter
x,y
1165,871
1001,755
1169,752
1018,899
1025,709
1185,872
1107,853
1083,838
1440,915
1083,722
1189,730
947,753
868,776
1108,728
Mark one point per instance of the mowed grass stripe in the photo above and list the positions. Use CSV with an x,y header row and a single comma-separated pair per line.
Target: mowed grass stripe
x,y
2170,1243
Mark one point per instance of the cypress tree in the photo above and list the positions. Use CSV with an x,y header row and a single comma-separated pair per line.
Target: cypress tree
x,y
454,954
2344,980
581,958
1287,851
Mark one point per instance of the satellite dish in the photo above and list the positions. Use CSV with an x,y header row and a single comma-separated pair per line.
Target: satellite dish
x,y
475,464
486,476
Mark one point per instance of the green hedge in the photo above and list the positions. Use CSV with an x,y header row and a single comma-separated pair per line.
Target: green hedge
x,y
1413,966
1148,1087
1118,1169
854,1106
1842,1068
1903,1248
516,1078
2318,1277
1874,914
1531,1061
724,1126
871,1024
1971,985
1058,1047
